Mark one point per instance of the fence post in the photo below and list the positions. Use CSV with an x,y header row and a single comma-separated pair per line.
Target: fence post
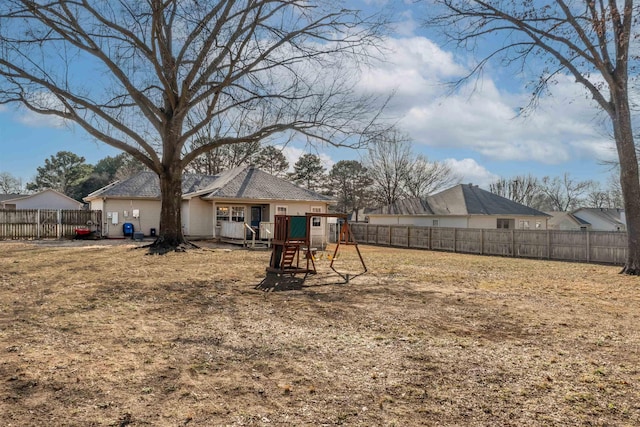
x,y
455,240
548,244
513,242
481,241
408,236
59,224
588,246
38,225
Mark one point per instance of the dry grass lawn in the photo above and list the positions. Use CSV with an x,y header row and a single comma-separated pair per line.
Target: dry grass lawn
x,y
97,334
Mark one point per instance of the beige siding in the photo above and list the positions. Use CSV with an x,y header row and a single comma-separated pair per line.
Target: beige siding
x,y
47,200
293,208
96,205
458,222
200,219
475,221
149,216
483,222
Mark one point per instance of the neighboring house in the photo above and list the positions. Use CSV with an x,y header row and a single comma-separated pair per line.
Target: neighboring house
x,y
600,219
212,206
462,206
566,221
45,199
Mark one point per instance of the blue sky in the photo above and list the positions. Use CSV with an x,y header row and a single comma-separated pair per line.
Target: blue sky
x,y
475,130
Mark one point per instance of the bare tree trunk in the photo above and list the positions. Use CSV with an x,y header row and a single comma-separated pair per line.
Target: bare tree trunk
x,y
629,180
170,235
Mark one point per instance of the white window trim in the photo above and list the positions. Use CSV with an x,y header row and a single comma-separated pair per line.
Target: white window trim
x,y
316,209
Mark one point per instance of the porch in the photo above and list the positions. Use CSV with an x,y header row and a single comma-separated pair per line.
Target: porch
x,y
241,233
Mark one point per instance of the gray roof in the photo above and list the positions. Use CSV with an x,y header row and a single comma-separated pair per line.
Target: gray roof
x,y
244,182
611,215
4,197
147,185
253,183
462,199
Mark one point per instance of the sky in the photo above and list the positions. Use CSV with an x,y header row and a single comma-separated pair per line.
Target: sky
x,y
475,130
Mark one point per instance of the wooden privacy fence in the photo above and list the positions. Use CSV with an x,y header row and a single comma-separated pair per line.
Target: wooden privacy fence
x,y
581,246
45,223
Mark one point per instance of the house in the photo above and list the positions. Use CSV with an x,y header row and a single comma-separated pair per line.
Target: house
x,y
461,206
45,199
233,204
566,221
589,219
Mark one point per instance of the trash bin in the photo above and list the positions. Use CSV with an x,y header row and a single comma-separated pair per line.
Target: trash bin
x,y
152,232
127,229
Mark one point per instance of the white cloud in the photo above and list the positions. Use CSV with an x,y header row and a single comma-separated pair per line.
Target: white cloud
x,y
413,67
479,116
407,26
471,172
31,119
44,101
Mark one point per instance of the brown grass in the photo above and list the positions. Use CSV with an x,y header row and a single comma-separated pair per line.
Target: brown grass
x,y
101,334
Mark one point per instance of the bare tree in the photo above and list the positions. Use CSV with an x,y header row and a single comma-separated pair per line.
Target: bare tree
x,y
427,177
397,172
588,39
388,160
564,193
524,189
162,71
9,184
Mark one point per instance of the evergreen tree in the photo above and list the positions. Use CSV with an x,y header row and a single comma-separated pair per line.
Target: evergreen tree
x,y
308,172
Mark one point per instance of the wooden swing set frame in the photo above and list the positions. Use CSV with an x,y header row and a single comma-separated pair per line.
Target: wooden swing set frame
x,y
289,240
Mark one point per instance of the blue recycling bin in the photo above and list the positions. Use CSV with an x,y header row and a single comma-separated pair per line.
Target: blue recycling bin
x,y
127,229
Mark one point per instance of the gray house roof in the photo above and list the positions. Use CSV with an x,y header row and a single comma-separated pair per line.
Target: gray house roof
x,y
610,215
147,185
244,182
4,197
462,199
253,183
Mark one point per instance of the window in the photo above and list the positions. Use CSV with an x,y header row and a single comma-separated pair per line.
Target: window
x,y
237,213
436,222
222,214
281,210
524,225
538,224
316,221
505,223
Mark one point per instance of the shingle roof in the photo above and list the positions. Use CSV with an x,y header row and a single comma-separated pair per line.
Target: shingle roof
x,y
462,199
413,206
245,182
253,183
610,215
4,197
147,185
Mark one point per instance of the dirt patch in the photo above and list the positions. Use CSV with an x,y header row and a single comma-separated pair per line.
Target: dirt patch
x,y
105,335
